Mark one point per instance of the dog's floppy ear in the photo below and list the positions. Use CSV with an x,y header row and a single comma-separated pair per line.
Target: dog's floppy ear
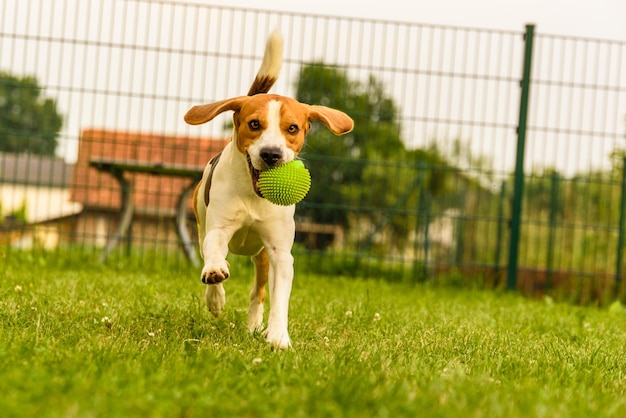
x,y
204,113
338,122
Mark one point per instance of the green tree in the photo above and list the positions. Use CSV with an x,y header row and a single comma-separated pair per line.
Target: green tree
x,y
369,168
28,122
337,163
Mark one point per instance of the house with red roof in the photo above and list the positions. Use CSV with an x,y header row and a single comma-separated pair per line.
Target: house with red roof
x,y
154,196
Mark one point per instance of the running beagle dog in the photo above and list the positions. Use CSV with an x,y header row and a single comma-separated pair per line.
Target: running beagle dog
x,y
231,213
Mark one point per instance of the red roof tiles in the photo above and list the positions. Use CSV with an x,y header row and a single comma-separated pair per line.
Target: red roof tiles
x,y
152,193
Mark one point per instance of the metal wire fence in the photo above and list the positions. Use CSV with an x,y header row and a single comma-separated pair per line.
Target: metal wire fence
x,y
425,188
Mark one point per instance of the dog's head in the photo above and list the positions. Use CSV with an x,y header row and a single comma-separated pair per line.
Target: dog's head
x,y
269,129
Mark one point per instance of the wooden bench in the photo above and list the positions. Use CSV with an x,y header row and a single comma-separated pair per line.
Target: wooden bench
x,y
119,168
314,229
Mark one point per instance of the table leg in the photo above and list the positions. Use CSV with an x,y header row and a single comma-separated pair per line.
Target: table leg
x,y
127,212
181,225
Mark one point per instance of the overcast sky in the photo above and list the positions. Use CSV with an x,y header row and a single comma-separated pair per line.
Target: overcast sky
x,y
605,19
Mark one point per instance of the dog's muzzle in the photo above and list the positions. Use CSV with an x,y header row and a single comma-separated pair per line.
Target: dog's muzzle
x,y
271,156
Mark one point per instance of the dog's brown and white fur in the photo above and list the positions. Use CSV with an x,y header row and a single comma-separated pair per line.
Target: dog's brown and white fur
x,y
231,213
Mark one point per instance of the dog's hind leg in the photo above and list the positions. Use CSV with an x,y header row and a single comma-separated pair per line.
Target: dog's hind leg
x,y
215,297
257,294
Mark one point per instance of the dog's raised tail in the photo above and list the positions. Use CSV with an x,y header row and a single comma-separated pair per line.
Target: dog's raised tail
x,y
270,67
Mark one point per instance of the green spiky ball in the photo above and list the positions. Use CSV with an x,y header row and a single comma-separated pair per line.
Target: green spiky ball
x,y
286,184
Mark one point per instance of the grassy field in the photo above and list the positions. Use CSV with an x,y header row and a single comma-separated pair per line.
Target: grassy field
x,y
84,340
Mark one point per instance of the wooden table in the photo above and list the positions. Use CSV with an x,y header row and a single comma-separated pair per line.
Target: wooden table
x,y
119,168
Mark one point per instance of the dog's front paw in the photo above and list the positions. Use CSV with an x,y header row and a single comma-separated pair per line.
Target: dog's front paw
x,y
215,273
278,338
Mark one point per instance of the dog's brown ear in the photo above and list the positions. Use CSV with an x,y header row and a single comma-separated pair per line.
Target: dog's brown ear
x,y
338,122
204,113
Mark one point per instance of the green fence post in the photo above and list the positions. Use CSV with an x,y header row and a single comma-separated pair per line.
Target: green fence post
x,y
426,210
518,180
499,232
460,233
555,204
620,232
423,215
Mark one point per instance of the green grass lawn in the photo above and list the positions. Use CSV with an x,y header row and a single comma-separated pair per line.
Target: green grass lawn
x,y
78,340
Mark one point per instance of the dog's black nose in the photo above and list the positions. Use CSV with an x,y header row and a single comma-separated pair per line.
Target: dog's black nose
x,y
271,155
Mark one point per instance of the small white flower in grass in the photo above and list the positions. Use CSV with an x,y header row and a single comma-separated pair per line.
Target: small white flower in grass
x,y
105,320
376,317
18,288
256,361
150,334
326,341
348,314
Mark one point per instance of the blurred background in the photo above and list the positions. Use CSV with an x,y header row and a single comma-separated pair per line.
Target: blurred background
x,y
462,166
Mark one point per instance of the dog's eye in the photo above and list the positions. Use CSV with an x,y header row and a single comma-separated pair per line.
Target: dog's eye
x,y
293,129
254,125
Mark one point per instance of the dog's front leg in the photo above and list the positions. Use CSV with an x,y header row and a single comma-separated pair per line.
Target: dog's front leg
x,y
280,280
216,269
214,252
